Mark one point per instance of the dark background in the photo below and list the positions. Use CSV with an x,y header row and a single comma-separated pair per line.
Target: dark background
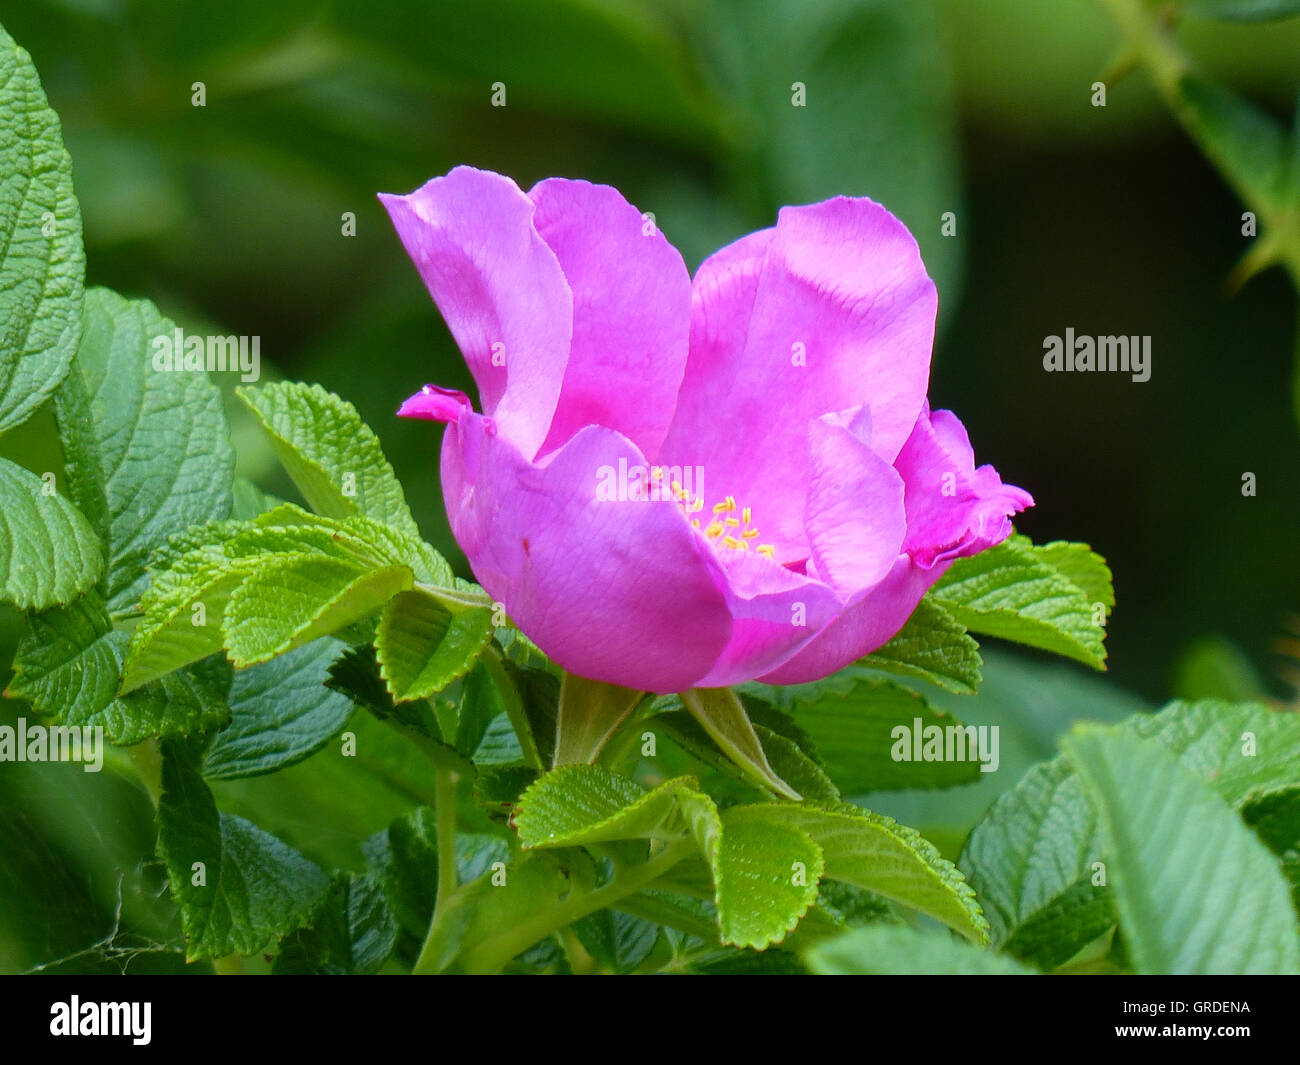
x,y
1107,220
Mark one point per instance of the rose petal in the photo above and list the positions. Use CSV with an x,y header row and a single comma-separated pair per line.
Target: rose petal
x,y
775,612
435,404
870,620
631,307
619,591
953,509
500,289
855,517
831,308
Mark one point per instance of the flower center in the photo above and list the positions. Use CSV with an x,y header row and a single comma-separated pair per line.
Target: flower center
x,y
725,530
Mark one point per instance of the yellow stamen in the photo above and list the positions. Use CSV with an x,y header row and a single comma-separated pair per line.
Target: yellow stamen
x,y
719,529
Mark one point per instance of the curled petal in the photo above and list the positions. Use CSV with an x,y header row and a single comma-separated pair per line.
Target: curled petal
x,y
953,509
435,404
500,289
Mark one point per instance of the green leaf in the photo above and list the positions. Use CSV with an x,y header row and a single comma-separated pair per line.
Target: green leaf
x,y
1276,821
250,500
583,804
797,766
1032,858
590,712
354,933
855,724
793,763
356,674
148,452
68,666
422,648
1246,751
617,940
280,713
764,876
184,606
876,853
196,574
331,454
1012,591
1031,864
291,601
498,787
238,887
887,950
43,264
480,705
721,714
533,716
1078,564
1196,890
404,860
932,646
67,662
49,554
766,879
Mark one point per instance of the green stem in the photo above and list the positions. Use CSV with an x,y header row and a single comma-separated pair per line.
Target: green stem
x,y
494,954
444,790
1147,38
1152,45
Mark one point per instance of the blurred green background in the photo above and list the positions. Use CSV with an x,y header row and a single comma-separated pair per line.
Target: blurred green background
x,y
1106,220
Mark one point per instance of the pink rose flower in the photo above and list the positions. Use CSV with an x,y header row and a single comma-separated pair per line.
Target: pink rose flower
x,y
677,483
